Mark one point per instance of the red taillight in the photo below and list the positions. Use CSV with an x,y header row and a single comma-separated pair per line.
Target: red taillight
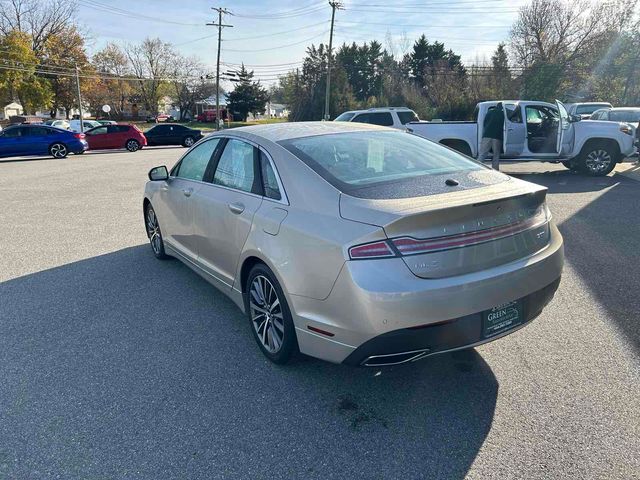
x,y
79,135
412,246
380,249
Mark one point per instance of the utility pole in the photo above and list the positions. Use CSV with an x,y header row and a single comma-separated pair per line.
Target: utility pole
x,y
220,27
334,4
79,98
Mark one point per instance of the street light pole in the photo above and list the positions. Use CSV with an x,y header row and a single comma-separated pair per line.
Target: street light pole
x,y
79,98
327,95
220,26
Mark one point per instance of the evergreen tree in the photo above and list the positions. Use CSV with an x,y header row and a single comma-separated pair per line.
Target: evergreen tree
x,y
248,96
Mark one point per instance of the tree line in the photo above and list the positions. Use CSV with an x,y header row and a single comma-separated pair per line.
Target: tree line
x,y
41,47
573,51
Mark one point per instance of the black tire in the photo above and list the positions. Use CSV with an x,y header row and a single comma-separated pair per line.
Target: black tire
x,y
570,164
79,153
598,159
132,145
152,226
188,141
58,150
266,328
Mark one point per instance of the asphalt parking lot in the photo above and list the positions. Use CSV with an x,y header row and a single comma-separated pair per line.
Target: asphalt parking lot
x,y
116,365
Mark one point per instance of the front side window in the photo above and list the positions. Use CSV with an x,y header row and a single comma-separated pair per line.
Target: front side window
x,y
269,180
406,117
345,117
12,132
194,164
356,159
235,167
513,112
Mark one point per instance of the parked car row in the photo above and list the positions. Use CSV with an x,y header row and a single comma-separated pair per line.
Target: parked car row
x,y
43,139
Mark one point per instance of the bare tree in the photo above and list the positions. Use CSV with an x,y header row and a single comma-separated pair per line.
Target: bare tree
x,y
189,84
113,61
39,18
151,63
560,32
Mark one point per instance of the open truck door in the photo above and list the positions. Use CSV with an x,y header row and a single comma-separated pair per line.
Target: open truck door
x,y
563,125
514,130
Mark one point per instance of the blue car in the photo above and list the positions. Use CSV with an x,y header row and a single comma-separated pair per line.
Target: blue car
x,y
22,140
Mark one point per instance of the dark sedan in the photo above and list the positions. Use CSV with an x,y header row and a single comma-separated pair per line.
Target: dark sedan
x,y
172,134
22,140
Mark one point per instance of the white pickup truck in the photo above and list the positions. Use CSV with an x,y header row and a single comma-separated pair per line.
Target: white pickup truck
x,y
539,131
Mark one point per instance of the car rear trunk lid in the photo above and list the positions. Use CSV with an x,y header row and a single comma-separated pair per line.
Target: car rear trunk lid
x,y
459,232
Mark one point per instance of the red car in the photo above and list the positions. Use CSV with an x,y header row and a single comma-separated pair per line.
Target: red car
x,y
116,136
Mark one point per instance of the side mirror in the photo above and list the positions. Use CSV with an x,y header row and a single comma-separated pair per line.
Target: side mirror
x,y
574,118
158,173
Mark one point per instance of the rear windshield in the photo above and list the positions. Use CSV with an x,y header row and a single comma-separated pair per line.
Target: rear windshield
x,y
406,117
357,159
624,115
345,117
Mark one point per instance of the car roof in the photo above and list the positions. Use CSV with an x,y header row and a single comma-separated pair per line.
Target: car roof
x,y
276,132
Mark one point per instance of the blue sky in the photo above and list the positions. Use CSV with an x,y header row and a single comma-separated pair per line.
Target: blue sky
x,y
272,34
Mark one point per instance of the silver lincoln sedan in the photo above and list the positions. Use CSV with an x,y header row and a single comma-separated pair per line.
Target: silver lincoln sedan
x,y
354,243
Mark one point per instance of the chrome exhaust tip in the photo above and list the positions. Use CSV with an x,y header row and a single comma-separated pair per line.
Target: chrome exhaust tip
x,y
394,358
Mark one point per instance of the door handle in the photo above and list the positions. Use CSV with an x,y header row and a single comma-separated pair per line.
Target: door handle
x,y
236,208
187,192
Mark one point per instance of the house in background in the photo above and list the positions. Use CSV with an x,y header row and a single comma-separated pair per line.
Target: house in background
x,y
272,110
10,110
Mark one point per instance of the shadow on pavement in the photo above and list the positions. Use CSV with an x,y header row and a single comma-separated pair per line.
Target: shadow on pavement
x,y
601,244
564,181
122,363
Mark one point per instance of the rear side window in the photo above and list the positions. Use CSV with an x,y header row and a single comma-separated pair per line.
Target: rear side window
x,y
378,118
194,163
269,180
356,159
36,131
98,131
406,117
589,109
235,167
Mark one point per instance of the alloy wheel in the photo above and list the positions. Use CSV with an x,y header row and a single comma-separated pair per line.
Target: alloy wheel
x,y
132,145
266,314
188,142
598,161
153,230
58,150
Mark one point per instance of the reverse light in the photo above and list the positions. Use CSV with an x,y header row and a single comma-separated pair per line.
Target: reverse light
x,y
379,249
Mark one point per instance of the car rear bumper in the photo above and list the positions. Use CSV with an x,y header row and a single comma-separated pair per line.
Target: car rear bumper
x,y
411,344
374,298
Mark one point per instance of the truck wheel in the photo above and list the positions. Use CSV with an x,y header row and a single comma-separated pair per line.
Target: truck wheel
x,y
598,159
571,165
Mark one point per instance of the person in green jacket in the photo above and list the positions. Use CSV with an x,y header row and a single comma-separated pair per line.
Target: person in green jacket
x,y
492,133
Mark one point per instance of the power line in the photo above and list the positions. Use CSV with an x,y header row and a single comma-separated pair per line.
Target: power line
x,y
127,13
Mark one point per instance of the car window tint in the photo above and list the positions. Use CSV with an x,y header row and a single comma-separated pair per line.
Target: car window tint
x,y
235,168
98,131
194,163
406,117
159,130
379,118
36,131
269,181
354,159
345,117
12,132
513,112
